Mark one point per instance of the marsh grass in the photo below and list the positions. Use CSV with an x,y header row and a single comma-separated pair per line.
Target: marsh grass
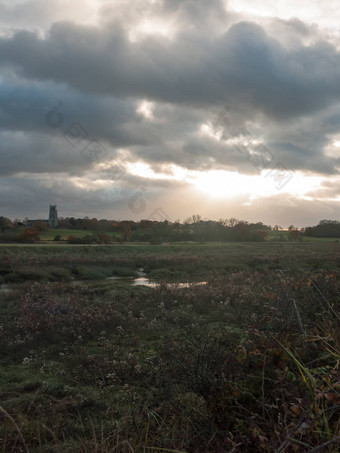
x,y
105,366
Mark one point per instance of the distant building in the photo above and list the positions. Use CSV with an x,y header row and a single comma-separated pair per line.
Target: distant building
x,y
53,217
52,221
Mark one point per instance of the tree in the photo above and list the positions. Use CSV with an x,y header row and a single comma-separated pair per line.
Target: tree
x,y
259,235
232,222
40,226
325,228
5,224
125,228
104,239
294,235
328,222
196,218
29,235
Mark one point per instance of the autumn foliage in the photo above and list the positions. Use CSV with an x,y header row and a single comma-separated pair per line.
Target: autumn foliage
x,y
29,235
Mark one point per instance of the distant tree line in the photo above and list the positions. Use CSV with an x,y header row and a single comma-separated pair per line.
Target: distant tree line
x,y
193,228
196,229
325,229
71,223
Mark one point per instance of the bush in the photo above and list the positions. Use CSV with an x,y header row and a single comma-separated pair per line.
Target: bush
x,y
9,238
156,241
104,239
92,273
34,274
124,272
59,274
161,273
29,235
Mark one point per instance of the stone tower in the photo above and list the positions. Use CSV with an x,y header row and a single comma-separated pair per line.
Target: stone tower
x,y
53,217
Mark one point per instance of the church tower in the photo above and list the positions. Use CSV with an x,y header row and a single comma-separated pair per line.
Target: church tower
x,y
53,217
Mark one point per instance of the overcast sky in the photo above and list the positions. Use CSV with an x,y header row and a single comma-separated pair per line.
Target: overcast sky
x,y
131,109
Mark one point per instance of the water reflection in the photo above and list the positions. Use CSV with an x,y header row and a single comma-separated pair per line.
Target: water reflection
x,y
143,281
4,288
146,282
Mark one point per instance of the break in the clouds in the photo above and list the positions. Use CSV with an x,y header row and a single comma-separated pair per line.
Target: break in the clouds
x,y
211,107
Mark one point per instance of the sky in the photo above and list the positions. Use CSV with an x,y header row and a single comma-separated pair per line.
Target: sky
x,y
160,109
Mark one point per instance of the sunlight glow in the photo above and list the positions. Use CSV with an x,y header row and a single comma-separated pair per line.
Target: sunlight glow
x,y
324,13
87,183
207,129
229,184
145,108
332,149
222,184
170,172
153,26
226,184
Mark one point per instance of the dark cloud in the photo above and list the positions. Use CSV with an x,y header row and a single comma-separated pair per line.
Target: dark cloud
x,y
188,70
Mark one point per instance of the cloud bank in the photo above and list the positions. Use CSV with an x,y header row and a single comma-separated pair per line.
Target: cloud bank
x,y
177,84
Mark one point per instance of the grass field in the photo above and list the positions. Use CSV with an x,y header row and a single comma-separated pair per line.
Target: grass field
x,y
246,362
